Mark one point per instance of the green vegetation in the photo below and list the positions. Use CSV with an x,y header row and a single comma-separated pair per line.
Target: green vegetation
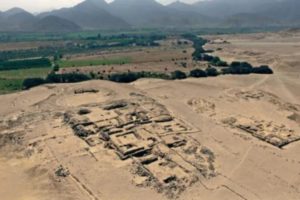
x,y
81,35
238,68
246,68
11,80
24,73
85,43
78,77
234,68
264,69
54,78
198,44
18,73
10,85
27,36
198,73
66,78
133,76
124,77
216,61
25,64
178,75
32,82
210,71
93,62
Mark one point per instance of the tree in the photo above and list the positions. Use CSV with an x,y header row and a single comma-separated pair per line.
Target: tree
x,y
178,75
221,64
25,64
32,82
124,77
215,60
57,56
56,68
197,73
264,69
66,78
206,57
93,75
240,68
210,71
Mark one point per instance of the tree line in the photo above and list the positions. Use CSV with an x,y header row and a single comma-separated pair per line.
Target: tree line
x,y
25,64
199,54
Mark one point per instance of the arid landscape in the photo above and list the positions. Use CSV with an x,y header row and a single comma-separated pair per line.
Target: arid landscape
x,y
230,137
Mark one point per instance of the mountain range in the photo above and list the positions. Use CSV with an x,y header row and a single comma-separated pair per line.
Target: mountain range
x,y
124,14
17,19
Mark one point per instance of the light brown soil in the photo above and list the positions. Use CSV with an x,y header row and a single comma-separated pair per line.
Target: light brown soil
x,y
216,138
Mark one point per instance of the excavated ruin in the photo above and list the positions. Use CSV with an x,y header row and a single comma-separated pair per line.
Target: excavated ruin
x,y
163,153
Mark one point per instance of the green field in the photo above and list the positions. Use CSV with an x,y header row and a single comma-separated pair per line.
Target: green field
x,y
10,85
94,62
11,80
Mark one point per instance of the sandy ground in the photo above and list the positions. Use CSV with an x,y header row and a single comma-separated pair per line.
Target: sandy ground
x,y
250,123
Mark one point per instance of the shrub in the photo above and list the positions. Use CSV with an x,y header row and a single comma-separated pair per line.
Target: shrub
x,y
32,82
215,60
221,64
178,75
197,54
66,78
154,75
239,68
210,71
124,77
184,64
264,69
235,64
206,57
198,73
133,76
56,68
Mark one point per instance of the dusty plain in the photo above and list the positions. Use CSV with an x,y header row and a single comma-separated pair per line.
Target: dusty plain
x,y
229,137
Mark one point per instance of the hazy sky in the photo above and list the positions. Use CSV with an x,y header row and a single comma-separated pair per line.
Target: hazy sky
x,y
42,5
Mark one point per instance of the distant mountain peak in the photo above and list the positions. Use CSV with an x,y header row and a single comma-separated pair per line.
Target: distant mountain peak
x,y
179,3
135,2
181,6
14,11
97,2
102,4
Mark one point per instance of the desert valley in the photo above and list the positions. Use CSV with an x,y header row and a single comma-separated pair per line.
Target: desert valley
x,y
146,114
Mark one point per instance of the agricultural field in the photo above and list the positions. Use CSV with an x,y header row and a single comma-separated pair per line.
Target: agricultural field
x,y
25,56
168,56
91,53
11,80
118,57
93,62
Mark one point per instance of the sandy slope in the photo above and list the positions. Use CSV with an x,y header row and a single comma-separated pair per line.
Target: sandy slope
x,y
34,141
